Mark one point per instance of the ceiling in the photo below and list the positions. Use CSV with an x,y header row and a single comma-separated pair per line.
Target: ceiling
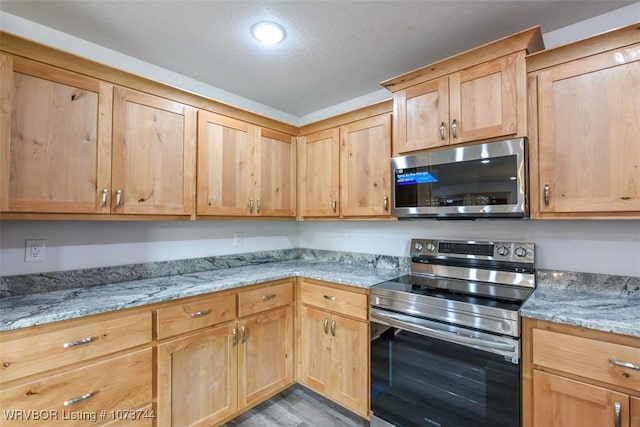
x,y
334,51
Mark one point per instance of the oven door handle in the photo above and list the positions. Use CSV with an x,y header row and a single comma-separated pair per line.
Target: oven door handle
x,y
408,323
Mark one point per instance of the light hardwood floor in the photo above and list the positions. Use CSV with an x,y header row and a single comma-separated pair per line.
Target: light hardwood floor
x,y
300,407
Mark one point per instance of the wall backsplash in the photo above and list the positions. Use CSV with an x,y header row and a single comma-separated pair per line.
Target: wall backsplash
x,y
603,247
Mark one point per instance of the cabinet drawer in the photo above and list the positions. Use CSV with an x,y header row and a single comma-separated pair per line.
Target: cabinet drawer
x,y
336,300
195,314
60,345
257,300
73,397
586,357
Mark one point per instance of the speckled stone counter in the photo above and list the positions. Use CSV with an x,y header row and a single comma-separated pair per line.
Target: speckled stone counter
x,y
38,308
605,303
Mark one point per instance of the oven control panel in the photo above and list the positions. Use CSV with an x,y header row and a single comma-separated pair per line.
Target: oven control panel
x,y
472,249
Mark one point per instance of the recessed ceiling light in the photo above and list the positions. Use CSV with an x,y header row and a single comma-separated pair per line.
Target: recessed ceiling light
x,y
268,32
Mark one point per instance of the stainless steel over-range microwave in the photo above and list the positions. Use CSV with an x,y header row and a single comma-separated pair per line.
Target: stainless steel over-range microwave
x,y
487,180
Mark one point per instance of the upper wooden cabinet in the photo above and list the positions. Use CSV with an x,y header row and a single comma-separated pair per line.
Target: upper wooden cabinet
x,y
244,170
153,155
476,95
55,139
585,121
344,169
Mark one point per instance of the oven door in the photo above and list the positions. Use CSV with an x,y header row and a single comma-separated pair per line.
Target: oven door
x,y
427,373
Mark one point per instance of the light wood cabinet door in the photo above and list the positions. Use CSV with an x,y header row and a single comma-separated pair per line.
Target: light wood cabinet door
x,y
275,166
320,173
483,100
588,127
561,402
226,180
365,149
315,349
55,139
350,363
635,412
265,355
197,378
153,162
421,116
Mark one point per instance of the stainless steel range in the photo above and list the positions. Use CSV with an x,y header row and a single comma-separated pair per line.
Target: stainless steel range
x,y
445,339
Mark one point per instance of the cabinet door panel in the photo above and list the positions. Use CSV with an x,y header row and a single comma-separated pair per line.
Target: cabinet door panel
x,y
589,121
56,139
365,149
197,378
561,402
315,349
225,165
350,364
153,154
635,412
275,165
265,355
320,163
419,113
483,100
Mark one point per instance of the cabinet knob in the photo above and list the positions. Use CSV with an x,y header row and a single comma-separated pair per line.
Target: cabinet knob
x,y
334,205
244,334
258,206
326,326
385,203
234,337
443,128
119,199
333,328
250,205
105,196
617,418
79,398
547,189
454,128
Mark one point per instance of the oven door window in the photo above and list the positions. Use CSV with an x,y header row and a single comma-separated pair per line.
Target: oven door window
x,y
422,381
479,182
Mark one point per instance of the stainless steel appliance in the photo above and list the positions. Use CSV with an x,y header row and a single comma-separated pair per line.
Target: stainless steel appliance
x,y
477,181
445,339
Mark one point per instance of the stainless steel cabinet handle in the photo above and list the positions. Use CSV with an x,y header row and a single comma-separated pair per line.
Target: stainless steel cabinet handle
x,y
334,205
244,334
119,199
454,128
79,398
268,297
259,206
105,196
234,337
546,194
617,419
200,313
326,326
330,298
442,130
250,205
385,203
79,342
624,364
333,328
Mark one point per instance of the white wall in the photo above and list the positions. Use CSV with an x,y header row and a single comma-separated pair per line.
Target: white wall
x,y
73,245
605,247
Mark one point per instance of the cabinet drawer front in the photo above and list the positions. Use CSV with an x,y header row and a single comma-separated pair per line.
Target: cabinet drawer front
x,y
196,314
587,358
75,397
336,300
57,346
261,299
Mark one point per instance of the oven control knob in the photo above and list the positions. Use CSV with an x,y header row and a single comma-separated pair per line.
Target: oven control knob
x,y
431,247
503,250
418,246
520,252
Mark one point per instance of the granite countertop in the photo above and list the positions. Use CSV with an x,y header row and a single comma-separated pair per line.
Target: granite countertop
x,y
605,303
46,307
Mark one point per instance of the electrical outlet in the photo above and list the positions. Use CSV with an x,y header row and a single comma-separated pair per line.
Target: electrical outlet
x,y
34,250
237,238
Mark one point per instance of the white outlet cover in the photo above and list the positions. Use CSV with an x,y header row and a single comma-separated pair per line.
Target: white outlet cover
x,y
35,250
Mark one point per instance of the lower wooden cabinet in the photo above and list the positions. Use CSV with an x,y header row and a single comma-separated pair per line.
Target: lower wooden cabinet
x,y
333,354
579,377
197,378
